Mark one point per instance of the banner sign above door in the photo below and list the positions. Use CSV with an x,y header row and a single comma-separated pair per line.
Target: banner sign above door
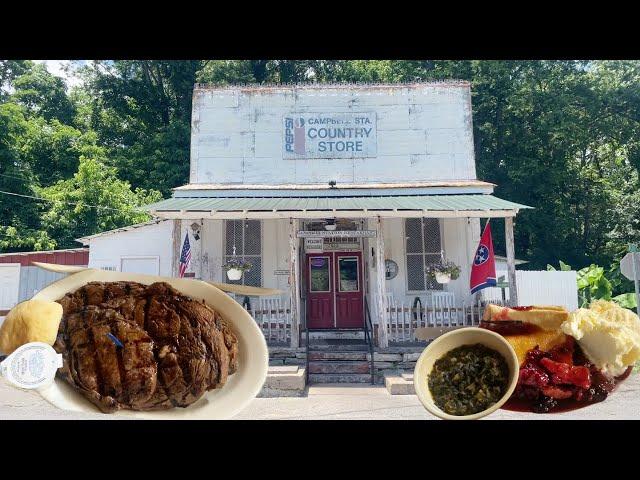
x,y
336,233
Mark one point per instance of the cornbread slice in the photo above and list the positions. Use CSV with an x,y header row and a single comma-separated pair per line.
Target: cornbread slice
x,y
545,317
545,340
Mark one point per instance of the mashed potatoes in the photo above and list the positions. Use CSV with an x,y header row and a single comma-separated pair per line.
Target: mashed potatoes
x,y
608,334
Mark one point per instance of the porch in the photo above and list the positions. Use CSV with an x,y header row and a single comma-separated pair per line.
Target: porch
x,y
401,321
410,226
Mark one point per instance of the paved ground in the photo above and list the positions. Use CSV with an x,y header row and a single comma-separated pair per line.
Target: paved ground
x,y
336,402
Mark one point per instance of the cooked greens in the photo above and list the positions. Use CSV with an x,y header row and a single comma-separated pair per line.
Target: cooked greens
x,y
468,379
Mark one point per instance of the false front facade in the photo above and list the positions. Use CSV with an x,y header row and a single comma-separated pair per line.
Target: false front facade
x,y
341,198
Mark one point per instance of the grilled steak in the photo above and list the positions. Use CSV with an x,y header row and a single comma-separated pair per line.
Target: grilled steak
x,y
127,345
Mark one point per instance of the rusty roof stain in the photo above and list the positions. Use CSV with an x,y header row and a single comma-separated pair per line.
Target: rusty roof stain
x,y
332,85
338,186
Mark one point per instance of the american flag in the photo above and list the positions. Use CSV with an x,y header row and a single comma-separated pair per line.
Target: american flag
x,y
185,256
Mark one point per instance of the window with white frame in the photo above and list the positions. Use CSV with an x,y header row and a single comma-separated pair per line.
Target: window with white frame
x,y
423,247
246,237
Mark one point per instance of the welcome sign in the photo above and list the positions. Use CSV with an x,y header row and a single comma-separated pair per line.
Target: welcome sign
x,y
330,135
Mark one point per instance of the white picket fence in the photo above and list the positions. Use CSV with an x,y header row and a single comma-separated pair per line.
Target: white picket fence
x,y
403,320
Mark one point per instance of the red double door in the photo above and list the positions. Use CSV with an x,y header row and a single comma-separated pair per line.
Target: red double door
x,y
334,290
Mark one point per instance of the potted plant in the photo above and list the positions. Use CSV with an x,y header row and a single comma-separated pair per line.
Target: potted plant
x,y
444,272
235,267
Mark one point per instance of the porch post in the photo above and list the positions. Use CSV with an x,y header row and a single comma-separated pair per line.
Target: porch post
x,y
177,232
381,298
294,284
511,260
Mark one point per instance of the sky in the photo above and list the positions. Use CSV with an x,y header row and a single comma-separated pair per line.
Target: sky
x,y
56,67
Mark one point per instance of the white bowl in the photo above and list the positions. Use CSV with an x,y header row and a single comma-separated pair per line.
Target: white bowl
x,y
240,388
454,339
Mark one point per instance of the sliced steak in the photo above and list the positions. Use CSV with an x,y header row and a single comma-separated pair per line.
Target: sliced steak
x,y
174,348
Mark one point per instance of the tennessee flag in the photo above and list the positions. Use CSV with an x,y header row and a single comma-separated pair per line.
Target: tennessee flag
x,y
483,269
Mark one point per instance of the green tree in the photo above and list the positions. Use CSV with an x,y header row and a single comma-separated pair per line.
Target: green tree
x,y
92,201
43,94
9,71
142,115
19,216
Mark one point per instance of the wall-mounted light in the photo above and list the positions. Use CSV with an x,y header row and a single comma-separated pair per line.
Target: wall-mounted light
x,y
330,224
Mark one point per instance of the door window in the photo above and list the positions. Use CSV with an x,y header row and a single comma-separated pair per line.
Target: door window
x,y
319,274
348,274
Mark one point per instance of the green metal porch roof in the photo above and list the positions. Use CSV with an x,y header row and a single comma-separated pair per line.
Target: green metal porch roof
x,y
423,203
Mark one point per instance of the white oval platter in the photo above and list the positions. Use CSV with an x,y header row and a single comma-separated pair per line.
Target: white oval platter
x,y
223,403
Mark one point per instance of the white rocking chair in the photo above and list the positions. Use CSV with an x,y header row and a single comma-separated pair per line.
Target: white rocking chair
x,y
443,304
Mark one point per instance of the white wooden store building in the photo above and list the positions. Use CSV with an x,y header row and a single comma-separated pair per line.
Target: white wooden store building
x,y
274,167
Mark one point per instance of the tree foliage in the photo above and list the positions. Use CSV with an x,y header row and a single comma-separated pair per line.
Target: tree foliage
x,y
561,136
93,200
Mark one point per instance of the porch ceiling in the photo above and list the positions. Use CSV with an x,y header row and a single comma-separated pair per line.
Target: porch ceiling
x,y
470,205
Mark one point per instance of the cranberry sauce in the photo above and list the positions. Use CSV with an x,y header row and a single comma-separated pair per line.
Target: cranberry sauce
x,y
560,380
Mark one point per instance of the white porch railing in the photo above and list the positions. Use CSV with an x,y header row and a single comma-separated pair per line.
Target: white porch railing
x,y
402,320
273,316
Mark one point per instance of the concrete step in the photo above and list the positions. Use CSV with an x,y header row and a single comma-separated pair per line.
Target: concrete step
x,y
284,381
408,376
339,367
331,355
400,384
339,378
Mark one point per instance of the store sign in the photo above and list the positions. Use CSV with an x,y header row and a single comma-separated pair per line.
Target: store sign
x,y
313,245
330,135
336,233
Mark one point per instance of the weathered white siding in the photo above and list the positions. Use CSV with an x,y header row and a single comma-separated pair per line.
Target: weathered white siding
x,y
147,241
547,288
424,132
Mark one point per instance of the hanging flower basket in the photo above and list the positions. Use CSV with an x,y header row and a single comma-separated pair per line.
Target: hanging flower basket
x,y
235,268
234,274
443,277
444,272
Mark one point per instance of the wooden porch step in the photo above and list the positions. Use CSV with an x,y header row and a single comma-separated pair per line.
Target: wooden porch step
x,y
339,378
332,355
336,335
354,367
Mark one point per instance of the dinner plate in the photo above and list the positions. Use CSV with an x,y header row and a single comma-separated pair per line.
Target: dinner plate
x,y
57,268
240,388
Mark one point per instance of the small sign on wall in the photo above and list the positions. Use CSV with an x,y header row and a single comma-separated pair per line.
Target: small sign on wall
x,y
313,245
281,272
